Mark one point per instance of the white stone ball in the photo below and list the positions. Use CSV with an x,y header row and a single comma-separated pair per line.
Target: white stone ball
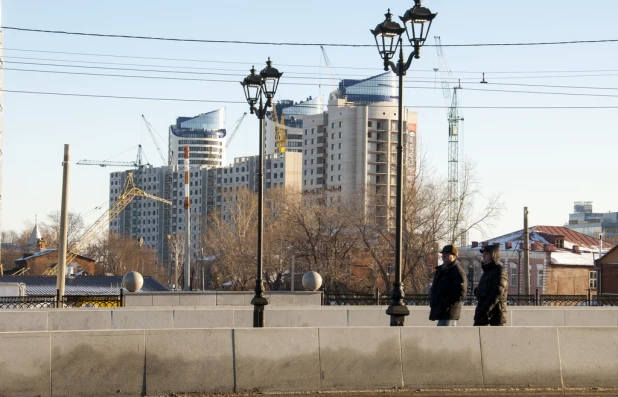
x,y
312,281
133,281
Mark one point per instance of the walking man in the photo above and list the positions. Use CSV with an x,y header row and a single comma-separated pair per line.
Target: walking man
x,y
448,289
492,290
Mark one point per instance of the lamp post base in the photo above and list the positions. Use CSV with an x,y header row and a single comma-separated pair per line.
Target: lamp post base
x,y
258,302
398,314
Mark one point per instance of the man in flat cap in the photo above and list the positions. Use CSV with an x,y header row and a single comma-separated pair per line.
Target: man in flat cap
x,y
448,289
492,289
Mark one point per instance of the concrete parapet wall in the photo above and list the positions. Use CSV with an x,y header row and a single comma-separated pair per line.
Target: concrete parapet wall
x,y
186,317
221,298
162,362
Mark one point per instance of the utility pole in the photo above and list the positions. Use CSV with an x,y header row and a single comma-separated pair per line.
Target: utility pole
x,y
526,254
64,221
187,270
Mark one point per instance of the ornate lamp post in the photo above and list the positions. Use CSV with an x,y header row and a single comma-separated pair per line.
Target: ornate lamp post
x,y
257,87
388,38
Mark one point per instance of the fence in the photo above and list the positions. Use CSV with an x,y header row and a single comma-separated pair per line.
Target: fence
x,y
470,300
67,301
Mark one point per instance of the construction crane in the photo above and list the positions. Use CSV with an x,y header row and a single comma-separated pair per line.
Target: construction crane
x,y
450,95
137,164
129,192
150,128
236,127
331,71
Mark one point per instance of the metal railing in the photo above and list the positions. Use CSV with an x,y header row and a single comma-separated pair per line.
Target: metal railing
x,y
67,301
537,299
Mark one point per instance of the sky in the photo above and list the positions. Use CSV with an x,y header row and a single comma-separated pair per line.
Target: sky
x,y
531,155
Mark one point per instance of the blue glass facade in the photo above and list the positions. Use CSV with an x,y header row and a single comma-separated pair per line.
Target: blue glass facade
x,y
204,134
380,88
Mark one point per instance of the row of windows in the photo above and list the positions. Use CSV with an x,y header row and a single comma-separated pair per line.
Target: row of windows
x,y
201,142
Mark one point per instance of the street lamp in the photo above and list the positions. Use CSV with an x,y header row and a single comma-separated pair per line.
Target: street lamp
x,y
256,87
388,38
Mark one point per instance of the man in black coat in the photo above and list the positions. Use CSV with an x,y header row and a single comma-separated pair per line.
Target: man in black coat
x,y
448,289
492,290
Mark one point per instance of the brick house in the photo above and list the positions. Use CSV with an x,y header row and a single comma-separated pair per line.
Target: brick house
x,y
37,263
608,272
561,260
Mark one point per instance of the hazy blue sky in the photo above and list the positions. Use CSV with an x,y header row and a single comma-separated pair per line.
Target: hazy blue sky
x,y
540,158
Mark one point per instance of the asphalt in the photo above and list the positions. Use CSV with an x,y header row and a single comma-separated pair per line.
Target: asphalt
x,y
601,392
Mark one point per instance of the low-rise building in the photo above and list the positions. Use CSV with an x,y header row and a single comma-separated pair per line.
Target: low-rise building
x,y
561,260
608,272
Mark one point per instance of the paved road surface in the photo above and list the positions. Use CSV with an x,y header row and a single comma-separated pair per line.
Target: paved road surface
x,y
600,392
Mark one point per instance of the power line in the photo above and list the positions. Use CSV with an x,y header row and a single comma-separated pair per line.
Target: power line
x,y
394,105
288,65
120,36
323,84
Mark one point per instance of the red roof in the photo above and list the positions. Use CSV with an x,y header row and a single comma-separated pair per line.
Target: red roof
x,y
572,236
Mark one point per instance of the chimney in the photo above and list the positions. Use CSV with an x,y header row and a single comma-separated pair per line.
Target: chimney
x,y
497,245
475,244
508,245
549,247
485,243
576,249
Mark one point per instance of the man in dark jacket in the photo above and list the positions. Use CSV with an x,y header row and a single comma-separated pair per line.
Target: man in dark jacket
x,y
448,289
492,289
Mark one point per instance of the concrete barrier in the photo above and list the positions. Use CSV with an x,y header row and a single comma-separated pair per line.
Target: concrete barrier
x,y
589,356
23,320
526,356
191,360
441,357
163,362
181,317
221,298
272,360
25,363
356,358
100,363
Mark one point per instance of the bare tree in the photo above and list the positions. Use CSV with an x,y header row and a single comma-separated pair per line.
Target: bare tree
x,y
231,237
322,237
51,228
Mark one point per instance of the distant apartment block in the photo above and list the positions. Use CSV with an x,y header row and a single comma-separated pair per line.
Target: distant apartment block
x,y
153,220
584,220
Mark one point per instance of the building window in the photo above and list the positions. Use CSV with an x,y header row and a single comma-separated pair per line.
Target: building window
x,y
339,167
339,145
378,125
513,278
539,280
593,276
369,124
332,168
339,155
340,124
340,134
312,130
332,125
339,177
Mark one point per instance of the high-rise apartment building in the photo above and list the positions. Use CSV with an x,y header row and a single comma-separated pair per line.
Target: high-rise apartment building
x,y
205,136
153,220
290,113
351,150
593,224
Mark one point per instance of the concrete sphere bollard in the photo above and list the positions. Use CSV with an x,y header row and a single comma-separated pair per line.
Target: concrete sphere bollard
x,y
133,281
312,281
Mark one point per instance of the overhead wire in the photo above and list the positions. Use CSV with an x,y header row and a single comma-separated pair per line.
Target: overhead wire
x,y
174,39
394,105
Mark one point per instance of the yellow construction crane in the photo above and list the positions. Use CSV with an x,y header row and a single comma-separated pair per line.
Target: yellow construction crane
x,y
281,138
129,192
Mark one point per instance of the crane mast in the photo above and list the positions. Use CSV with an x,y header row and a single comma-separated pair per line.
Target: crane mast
x,y
129,192
450,95
236,128
149,127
